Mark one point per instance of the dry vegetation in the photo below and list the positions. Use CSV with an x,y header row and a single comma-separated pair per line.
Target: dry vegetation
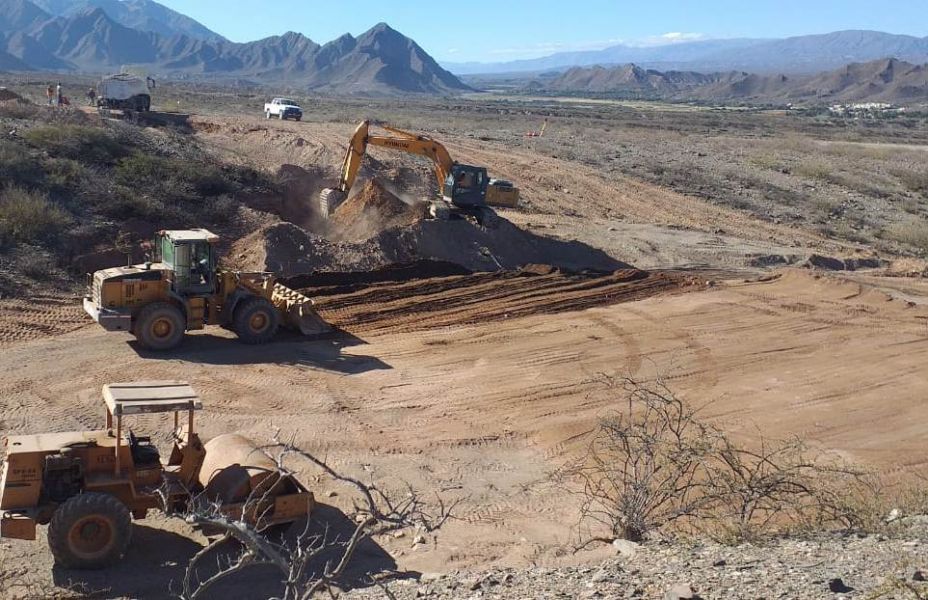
x,y
72,185
654,467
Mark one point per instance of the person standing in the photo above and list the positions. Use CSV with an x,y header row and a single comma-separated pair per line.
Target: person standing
x,y
50,92
91,96
58,93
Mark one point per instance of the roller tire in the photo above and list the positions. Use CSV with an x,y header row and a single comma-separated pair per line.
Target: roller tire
x,y
256,320
159,326
89,531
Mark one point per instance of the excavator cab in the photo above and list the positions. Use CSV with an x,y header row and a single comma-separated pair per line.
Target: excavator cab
x,y
466,186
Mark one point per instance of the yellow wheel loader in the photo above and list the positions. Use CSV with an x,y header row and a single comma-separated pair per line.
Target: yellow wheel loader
x,y
183,289
87,486
464,188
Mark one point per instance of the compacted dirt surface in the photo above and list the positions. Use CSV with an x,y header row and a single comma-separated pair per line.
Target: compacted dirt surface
x,y
466,361
482,412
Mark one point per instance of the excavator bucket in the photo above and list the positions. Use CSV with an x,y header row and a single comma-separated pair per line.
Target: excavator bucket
x,y
329,200
297,311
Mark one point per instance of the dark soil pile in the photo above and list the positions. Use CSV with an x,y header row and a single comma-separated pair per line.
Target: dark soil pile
x,y
7,95
288,250
372,210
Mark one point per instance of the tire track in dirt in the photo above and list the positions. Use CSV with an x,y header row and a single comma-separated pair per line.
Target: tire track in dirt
x,y
23,320
440,302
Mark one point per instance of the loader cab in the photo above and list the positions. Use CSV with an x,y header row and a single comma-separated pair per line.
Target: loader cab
x,y
192,257
466,186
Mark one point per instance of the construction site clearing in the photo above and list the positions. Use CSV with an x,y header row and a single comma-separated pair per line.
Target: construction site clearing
x,y
464,356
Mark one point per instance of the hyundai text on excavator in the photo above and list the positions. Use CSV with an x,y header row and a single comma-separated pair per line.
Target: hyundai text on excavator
x,y
464,189
87,486
183,289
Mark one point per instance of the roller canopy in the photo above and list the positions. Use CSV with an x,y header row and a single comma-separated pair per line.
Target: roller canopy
x,y
144,397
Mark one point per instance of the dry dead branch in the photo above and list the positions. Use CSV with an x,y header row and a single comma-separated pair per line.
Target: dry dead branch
x,y
651,464
297,561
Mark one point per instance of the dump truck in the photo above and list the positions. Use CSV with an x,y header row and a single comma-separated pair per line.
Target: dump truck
x,y
88,486
182,288
125,91
465,189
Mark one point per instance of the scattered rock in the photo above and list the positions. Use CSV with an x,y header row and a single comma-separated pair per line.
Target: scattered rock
x,y
681,591
626,548
431,577
331,494
827,263
917,575
768,260
419,539
838,586
601,576
720,563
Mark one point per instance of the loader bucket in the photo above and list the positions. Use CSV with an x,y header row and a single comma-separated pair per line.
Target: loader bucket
x,y
297,311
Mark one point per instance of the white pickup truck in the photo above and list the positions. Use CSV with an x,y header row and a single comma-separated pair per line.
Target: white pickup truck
x,y
283,108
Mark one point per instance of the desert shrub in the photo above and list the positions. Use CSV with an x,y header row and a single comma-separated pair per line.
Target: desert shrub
x,y
77,142
915,181
28,217
207,180
35,263
173,178
125,203
143,169
771,162
18,109
652,465
913,232
17,167
813,169
64,174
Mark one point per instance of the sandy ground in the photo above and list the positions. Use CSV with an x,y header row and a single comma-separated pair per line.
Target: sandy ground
x,y
483,413
483,410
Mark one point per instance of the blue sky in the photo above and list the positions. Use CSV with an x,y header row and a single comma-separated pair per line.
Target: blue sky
x,y
498,30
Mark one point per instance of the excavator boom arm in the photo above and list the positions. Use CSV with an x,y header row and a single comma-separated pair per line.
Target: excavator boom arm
x,y
401,141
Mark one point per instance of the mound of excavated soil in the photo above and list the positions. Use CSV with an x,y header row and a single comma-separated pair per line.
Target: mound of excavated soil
x,y
288,250
371,211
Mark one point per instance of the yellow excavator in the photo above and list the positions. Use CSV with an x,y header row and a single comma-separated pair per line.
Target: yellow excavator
x,y
465,189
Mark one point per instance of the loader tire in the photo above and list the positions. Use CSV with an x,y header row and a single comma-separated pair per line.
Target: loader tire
x,y
159,326
89,531
256,320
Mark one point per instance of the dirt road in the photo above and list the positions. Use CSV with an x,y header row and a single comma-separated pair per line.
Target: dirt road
x,y
484,412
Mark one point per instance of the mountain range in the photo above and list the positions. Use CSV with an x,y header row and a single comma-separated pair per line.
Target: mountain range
x,y
795,55
84,35
885,80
